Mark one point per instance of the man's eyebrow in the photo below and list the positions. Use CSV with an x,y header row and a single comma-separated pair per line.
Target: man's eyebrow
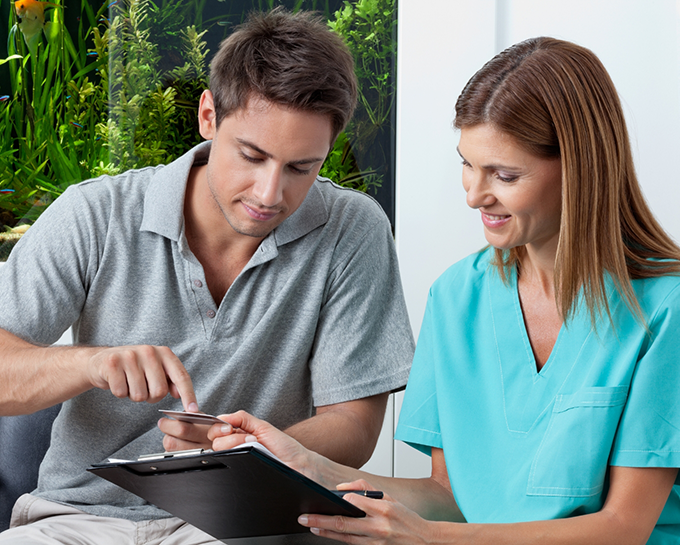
x,y
254,147
269,155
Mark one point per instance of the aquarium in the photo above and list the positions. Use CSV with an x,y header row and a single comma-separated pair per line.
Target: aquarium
x,y
89,88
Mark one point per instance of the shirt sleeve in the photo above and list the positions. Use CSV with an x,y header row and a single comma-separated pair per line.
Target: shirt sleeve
x,y
44,280
649,430
419,417
363,343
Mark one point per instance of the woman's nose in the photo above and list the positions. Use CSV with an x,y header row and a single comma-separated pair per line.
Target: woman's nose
x,y
478,191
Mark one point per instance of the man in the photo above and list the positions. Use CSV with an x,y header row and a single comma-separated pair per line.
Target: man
x,y
232,278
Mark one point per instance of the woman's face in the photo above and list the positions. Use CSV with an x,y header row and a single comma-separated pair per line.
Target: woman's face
x,y
518,194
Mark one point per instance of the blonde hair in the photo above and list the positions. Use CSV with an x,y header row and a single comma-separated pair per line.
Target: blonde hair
x,y
556,99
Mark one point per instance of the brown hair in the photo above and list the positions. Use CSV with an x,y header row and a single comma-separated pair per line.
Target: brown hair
x,y
289,59
556,99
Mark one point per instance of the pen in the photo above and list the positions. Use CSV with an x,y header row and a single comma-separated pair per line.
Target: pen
x,y
375,494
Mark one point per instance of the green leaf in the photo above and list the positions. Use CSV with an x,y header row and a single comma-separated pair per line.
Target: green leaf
x,y
11,57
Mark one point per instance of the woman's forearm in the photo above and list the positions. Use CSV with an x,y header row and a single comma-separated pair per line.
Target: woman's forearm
x,y
430,497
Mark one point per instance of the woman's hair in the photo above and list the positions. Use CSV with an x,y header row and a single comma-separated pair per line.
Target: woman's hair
x,y
289,59
556,99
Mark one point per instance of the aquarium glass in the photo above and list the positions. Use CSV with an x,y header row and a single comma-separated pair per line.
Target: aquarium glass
x,y
89,88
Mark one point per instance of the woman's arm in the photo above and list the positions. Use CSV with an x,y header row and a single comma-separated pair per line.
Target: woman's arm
x,y
405,515
431,497
635,500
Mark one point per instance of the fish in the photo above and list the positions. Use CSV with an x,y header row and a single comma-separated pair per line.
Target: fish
x,y
20,229
4,98
6,191
76,124
31,14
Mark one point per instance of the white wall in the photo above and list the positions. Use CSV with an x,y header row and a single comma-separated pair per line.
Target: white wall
x,y
442,43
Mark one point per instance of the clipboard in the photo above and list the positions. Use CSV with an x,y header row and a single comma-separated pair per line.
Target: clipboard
x,y
231,494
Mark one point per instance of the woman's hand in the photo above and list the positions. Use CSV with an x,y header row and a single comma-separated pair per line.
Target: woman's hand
x,y
242,427
386,521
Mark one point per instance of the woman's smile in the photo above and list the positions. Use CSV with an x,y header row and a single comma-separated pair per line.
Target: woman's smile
x,y
518,193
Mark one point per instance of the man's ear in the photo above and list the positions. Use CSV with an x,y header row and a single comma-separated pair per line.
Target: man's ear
x,y
206,116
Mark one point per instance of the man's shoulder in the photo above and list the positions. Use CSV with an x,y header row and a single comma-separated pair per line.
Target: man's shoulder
x,y
346,204
126,184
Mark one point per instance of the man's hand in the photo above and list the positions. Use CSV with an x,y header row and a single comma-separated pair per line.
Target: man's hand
x,y
142,373
183,435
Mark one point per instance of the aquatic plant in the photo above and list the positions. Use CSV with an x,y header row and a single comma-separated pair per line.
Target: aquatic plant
x,y
99,103
369,29
121,91
42,139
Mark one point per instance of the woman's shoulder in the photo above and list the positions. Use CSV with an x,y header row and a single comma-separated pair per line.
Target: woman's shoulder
x,y
468,271
657,292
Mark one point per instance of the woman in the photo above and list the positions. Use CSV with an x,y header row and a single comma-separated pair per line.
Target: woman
x,y
545,384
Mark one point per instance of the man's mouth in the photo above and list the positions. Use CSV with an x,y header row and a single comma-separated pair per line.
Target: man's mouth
x,y
259,214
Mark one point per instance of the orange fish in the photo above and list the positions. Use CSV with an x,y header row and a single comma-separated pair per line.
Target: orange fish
x,y
32,15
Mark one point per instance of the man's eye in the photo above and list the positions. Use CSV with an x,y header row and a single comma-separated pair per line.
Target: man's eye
x,y
249,158
301,172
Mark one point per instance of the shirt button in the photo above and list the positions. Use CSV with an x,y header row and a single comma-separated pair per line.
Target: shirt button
x,y
210,313
198,283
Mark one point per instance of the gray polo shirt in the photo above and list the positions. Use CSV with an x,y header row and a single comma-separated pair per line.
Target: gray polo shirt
x,y
316,317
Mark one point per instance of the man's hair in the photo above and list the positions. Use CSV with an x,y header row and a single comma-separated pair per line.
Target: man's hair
x,y
290,59
556,100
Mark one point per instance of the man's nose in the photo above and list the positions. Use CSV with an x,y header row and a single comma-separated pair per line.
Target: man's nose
x,y
269,187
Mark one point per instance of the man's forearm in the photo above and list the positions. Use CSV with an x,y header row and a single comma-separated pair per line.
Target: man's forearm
x,y
345,433
35,377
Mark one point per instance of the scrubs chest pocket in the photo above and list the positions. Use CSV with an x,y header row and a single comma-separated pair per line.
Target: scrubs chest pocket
x,y
572,458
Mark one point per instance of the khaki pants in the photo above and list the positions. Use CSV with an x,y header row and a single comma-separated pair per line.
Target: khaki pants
x,y
39,522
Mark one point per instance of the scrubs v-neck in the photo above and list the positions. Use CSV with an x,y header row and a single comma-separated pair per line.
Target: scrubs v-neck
x,y
524,445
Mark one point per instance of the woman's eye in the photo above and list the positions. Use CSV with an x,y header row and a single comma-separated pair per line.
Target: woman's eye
x,y
505,177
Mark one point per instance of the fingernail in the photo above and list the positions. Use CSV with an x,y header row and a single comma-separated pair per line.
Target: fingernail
x,y
226,428
303,519
315,531
192,407
251,439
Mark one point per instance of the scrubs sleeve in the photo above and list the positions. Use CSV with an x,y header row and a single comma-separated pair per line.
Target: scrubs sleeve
x,y
649,430
419,417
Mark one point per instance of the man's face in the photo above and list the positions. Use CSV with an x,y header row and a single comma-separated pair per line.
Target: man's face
x,y
263,160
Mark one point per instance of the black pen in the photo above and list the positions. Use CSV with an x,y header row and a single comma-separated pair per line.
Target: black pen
x,y
375,494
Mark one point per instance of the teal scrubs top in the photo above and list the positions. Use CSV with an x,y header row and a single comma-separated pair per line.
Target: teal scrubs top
x,y
523,445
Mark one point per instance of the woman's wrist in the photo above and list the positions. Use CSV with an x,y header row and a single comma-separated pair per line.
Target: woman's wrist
x,y
321,470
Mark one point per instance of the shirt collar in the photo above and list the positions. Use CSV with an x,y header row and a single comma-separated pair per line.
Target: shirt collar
x,y
164,202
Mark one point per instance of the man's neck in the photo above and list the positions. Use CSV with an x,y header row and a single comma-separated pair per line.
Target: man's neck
x,y
222,252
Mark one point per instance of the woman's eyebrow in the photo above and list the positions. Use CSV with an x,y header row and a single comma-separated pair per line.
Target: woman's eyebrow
x,y
492,166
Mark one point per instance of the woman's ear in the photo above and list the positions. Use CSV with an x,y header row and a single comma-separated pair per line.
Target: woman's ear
x,y
206,116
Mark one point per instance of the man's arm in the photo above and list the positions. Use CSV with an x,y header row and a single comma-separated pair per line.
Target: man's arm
x,y
35,377
344,432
